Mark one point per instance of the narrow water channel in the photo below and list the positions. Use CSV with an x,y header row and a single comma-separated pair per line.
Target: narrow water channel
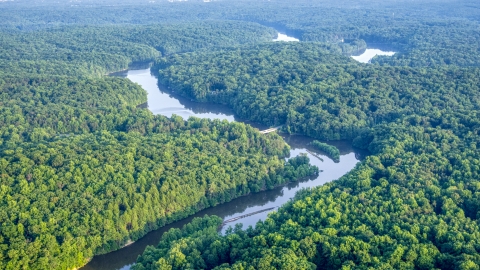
x,y
161,101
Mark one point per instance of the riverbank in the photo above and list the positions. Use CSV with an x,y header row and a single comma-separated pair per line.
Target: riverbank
x,y
252,202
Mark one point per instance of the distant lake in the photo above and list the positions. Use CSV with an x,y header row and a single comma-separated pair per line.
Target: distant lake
x,y
284,37
366,56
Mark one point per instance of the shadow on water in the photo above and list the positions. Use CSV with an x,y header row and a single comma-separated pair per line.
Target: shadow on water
x,y
160,101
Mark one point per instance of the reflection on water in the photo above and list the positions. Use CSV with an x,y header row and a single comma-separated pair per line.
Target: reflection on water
x,y
165,104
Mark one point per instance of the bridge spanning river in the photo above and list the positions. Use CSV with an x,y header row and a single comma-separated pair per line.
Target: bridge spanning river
x,y
270,130
247,215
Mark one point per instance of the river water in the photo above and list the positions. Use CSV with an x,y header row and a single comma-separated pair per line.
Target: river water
x,y
161,101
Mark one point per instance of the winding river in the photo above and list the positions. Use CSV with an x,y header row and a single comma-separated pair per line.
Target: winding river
x,y
161,101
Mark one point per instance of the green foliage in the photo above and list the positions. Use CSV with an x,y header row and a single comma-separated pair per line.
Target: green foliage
x,y
315,92
424,33
86,51
82,170
40,108
81,195
330,150
412,204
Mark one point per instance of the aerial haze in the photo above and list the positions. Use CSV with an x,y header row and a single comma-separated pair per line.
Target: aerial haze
x,y
239,134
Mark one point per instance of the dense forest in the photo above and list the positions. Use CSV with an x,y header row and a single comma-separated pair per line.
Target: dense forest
x,y
316,92
87,51
84,171
413,204
427,32
69,198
